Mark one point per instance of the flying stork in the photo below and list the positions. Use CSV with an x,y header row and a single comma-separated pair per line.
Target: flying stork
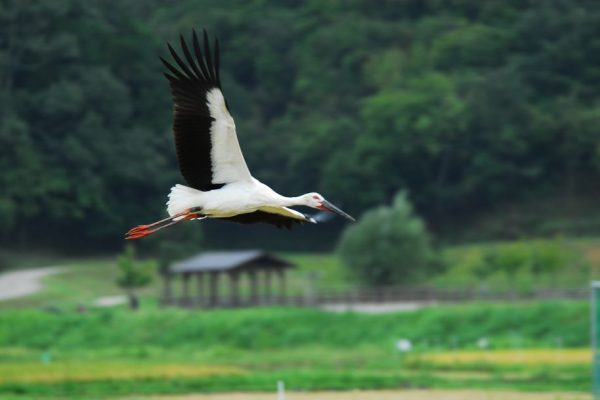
x,y
209,155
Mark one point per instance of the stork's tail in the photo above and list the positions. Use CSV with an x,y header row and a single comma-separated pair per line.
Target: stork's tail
x,y
182,206
182,198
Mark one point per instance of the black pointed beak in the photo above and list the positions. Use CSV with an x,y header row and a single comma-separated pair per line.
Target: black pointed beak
x,y
330,207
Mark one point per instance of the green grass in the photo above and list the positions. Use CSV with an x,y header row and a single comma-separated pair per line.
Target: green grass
x,y
534,324
310,379
562,263
106,353
82,283
327,268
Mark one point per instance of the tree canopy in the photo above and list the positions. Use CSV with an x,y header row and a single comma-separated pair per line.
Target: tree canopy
x,y
465,104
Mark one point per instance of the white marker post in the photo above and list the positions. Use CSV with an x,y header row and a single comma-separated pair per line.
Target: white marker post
x,y
280,390
403,345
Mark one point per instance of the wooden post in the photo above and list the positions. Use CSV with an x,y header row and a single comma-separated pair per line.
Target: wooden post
x,y
268,286
311,295
214,289
200,287
254,299
167,288
186,288
282,286
234,281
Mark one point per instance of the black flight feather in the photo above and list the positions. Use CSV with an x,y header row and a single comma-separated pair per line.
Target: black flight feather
x,y
190,80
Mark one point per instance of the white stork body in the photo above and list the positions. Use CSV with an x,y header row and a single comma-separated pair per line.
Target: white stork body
x,y
210,158
233,199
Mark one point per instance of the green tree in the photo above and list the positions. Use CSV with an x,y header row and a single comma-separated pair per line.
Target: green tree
x,y
133,274
389,245
468,105
78,123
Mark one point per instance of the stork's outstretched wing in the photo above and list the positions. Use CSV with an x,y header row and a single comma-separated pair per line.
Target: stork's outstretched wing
x,y
208,151
281,217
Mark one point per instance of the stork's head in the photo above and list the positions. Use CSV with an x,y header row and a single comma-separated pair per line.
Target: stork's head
x,y
315,200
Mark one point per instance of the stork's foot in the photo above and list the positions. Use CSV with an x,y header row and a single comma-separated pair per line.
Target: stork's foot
x,y
141,231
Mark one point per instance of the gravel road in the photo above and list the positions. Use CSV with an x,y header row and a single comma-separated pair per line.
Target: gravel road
x,y
24,282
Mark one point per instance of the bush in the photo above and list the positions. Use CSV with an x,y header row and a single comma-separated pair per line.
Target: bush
x,y
133,274
389,245
535,258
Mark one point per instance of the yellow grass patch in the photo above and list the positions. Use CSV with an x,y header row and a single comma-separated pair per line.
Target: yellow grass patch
x,y
95,371
511,357
14,352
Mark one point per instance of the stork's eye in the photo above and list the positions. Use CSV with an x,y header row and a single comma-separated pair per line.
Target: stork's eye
x,y
316,197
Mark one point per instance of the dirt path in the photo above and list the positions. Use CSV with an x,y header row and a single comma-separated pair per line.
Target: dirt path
x,y
384,395
377,308
24,282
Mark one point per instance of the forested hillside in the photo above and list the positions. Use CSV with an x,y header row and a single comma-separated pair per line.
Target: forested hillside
x,y
470,105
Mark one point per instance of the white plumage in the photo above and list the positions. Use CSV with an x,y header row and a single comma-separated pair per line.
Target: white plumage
x,y
239,198
227,158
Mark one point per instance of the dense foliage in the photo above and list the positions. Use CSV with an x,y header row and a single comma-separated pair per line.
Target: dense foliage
x,y
389,246
82,145
466,104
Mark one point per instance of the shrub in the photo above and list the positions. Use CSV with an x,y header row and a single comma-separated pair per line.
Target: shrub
x,y
133,274
389,245
534,257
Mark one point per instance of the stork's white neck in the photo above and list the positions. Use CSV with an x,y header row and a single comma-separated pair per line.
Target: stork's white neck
x,y
292,201
284,201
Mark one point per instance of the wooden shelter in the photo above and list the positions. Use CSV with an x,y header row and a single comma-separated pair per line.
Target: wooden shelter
x,y
256,268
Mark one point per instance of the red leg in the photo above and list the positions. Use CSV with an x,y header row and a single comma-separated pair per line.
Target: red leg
x,y
141,231
145,227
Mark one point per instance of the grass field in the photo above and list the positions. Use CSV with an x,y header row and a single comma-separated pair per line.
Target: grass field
x,y
258,371
108,353
90,371
410,394
68,351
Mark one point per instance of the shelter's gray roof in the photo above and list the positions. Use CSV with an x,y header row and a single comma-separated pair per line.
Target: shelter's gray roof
x,y
226,260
